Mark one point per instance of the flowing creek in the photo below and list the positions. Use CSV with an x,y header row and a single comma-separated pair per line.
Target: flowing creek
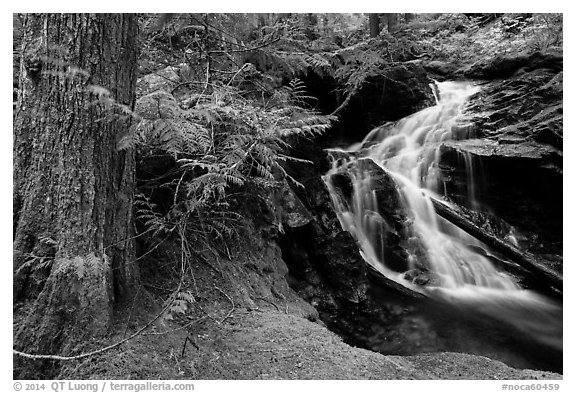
x,y
484,309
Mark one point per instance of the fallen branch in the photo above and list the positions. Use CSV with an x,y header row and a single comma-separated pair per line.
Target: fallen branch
x,y
523,259
101,350
391,284
236,74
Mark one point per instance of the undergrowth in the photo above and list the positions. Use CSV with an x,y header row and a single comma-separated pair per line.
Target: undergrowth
x,y
464,38
226,149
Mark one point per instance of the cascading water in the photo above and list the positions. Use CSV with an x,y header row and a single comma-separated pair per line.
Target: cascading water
x,y
409,152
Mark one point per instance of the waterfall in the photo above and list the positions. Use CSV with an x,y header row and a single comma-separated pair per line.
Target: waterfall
x,y
409,152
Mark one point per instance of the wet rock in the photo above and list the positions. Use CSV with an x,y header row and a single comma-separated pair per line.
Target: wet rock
x,y
342,266
330,262
293,213
387,96
517,147
508,148
398,241
421,277
378,134
525,111
440,68
518,154
326,268
519,183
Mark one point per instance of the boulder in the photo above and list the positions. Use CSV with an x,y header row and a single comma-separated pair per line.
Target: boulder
x,y
526,107
395,93
517,151
387,95
293,213
520,184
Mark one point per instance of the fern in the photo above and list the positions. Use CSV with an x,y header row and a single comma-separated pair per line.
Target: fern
x,y
226,147
320,64
297,93
164,125
156,223
180,304
357,63
88,266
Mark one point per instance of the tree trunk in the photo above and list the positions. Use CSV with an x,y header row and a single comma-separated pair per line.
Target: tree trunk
x,y
374,21
392,22
73,190
325,23
263,21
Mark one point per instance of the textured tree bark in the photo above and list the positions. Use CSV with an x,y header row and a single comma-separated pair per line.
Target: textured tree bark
x,y
73,190
374,22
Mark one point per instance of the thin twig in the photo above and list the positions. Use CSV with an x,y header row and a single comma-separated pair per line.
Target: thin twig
x,y
224,72
246,49
207,314
192,82
231,301
132,309
236,74
174,330
184,346
178,187
227,42
342,106
269,301
208,64
148,285
246,153
149,251
127,239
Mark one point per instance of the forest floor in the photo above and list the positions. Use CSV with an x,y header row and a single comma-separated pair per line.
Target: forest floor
x,y
270,344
